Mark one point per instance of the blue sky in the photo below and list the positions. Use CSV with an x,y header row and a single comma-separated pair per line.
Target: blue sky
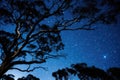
x,y
99,47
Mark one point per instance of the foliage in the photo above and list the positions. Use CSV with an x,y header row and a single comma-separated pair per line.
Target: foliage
x,y
7,77
32,36
11,77
83,72
29,77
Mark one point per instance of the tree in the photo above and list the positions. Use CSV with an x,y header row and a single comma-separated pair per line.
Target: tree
x,y
32,36
114,72
83,72
11,77
7,77
29,77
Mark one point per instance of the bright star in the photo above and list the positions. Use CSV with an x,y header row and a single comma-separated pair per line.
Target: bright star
x,y
104,56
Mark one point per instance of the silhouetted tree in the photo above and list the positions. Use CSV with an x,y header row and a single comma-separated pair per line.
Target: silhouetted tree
x,y
84,72
60,74
7,77
114,73
32,36
81,70
29,77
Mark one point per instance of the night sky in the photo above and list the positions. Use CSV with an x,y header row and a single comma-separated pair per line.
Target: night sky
x,y
99,47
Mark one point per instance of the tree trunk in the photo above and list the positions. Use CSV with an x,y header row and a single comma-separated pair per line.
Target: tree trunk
x,y
5,66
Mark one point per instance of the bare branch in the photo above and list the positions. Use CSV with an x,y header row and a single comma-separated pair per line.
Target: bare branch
x,y
28,51
76,29
64,29
54,56
29,70
28,62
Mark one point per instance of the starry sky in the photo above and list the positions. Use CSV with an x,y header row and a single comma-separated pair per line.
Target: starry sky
x,y
99,47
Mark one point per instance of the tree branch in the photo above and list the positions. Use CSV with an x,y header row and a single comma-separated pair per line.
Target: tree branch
x,y
17,32
26,51
53,56
28,62
29,70
64,29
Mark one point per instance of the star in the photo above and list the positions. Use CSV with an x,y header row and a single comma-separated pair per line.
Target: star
x,y
104,56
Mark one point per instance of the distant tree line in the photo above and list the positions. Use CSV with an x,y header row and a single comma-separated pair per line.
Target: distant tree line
x,y
79,70
84,72
11,77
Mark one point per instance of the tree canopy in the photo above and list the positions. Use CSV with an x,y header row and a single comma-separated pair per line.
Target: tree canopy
x,y
11,77
84,72
7,77
29,77
32,35
80,70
